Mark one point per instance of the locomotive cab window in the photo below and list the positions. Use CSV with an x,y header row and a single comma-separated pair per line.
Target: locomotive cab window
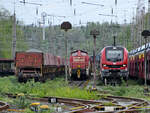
x,y
74,54
83,54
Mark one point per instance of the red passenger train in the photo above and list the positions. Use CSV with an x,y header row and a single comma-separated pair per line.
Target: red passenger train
x,y
79,67
114,64
137,64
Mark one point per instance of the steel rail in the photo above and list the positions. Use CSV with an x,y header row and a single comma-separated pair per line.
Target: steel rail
x,y
81,106
3,106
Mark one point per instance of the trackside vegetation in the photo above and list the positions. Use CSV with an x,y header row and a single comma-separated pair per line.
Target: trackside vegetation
x,y
56,87
59,88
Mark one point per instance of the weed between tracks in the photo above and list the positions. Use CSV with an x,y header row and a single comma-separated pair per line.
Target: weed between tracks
x,y
132,90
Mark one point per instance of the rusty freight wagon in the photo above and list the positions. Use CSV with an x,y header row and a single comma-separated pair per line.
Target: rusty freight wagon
x,y
37,65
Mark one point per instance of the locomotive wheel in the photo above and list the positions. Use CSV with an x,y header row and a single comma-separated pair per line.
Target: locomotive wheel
x,y
73,77
84,77
36,79
24,80
20,79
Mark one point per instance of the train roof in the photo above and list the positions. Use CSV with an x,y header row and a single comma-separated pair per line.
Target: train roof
x,y
34,50
139,49
79,50
112,46
6,60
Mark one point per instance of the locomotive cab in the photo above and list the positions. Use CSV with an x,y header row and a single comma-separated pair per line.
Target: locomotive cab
x,y
114,64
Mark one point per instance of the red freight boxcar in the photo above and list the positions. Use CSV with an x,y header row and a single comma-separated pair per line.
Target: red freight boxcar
x,y
36,65
114,64
79,65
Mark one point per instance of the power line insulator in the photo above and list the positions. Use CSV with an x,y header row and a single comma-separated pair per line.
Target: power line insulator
x,y
112,11
37,11
24,2
115,2
74,12
70,2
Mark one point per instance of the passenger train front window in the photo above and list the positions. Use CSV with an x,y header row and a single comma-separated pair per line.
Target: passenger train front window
x,y
114,55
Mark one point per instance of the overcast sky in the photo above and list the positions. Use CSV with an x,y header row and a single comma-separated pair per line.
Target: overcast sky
x,y
83,12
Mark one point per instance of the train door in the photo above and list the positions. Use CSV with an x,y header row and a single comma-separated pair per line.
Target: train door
x,y
136,73
133,71
140,68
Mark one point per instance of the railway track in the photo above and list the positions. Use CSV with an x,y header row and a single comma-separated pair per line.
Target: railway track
x,y
3,106
80,84
109,104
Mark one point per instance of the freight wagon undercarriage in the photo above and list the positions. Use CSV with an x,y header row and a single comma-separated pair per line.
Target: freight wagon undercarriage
x,y
29,73
39,74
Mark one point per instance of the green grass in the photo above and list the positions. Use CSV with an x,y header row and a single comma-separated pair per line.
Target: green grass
x,y
56,87
132,90
59,88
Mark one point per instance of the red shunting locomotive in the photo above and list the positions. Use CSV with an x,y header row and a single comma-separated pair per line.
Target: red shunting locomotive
x,y
79,65
114,64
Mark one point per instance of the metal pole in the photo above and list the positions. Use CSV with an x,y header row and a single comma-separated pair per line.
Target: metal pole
x,y
114,40
14,36
94,36
53,44
43,27
66,56
145,59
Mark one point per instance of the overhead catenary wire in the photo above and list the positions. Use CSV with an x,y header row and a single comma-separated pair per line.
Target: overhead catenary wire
x,y
30,3
92,4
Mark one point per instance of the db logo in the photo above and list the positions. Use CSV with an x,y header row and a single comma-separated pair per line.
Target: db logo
x,y
114,63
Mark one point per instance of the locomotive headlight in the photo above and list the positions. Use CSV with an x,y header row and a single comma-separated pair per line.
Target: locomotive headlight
x,y
104,65
124,65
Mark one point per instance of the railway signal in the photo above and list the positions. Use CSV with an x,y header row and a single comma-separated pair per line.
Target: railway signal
x,y
94,33
66,26
145,34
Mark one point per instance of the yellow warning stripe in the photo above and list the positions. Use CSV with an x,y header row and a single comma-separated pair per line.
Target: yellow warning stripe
x,y
140,107
16,110
79,107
